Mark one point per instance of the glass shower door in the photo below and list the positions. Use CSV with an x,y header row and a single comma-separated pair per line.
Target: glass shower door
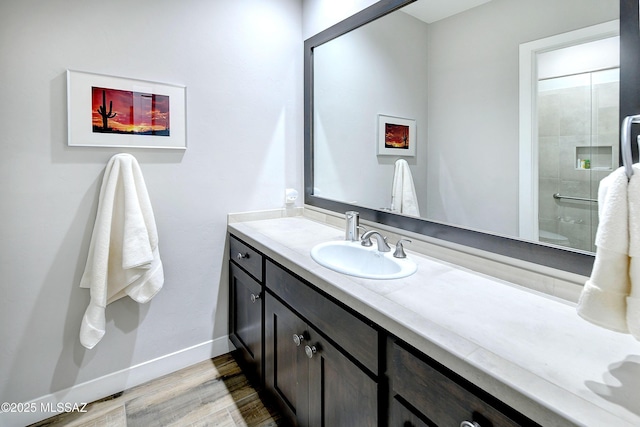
x,y
578,146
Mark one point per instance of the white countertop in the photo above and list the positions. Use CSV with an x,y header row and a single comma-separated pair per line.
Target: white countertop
x,y
529,349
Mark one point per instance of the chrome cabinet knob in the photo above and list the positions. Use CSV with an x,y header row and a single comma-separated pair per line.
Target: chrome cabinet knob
x,y
469,424
310,350
297,339
242,255
255,298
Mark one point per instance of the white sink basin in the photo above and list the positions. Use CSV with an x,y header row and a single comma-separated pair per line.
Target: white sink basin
x,y
356,260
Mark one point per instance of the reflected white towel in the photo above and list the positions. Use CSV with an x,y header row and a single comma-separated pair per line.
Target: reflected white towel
x,y
123,254
403,193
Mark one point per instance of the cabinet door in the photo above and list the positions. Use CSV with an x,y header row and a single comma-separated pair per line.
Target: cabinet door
x,y
340,394
245,318
287,366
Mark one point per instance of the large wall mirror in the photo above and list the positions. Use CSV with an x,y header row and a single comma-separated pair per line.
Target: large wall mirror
x,y
505,112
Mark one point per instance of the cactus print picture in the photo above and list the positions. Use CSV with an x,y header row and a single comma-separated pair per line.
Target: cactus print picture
x,y
111,111
396,136
130,113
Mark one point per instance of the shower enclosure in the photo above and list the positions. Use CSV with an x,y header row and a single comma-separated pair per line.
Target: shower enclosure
x,y
578,133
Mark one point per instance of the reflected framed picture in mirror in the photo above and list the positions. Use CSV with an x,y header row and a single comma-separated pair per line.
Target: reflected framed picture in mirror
x,y
396,136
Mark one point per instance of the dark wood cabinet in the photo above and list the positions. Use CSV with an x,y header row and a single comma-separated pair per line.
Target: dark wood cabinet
x,y
314,383
246,297
324,365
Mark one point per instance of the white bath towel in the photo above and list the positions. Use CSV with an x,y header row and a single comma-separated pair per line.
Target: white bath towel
x,y
611,296
633,300
403,192
123,254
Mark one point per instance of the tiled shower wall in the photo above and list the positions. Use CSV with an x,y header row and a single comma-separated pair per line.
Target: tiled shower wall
x,y
572,122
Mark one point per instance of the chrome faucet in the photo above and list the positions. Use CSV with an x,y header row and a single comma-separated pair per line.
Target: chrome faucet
x,y
353,223
381,241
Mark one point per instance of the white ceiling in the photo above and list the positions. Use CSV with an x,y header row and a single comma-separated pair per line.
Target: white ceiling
x,y
433,10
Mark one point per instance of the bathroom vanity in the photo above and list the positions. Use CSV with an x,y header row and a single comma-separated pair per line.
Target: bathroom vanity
x,y
445,346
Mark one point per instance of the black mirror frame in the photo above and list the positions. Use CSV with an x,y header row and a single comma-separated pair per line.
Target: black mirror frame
x,y
577,262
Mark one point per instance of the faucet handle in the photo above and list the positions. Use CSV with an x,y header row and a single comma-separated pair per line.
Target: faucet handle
x,y
399,253
365,241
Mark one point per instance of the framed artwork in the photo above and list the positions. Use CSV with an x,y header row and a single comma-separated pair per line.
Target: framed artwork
x,y
107,111
396,136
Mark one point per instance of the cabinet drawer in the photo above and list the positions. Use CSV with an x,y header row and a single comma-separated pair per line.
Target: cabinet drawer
x,y
438,397
246,257
352,334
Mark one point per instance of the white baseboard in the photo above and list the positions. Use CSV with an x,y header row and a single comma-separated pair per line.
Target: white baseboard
x,y
113,383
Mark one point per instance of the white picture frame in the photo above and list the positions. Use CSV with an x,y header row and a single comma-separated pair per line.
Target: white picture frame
x,y
109,111
396,136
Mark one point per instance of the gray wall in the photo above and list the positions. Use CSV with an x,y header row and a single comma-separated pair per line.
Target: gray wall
x,y
244,132
473,104
318,15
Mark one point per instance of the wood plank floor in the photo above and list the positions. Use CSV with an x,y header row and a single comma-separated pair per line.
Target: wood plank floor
x,y
211,393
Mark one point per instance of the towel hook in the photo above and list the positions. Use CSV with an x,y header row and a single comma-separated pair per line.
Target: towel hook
x,y
625,137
